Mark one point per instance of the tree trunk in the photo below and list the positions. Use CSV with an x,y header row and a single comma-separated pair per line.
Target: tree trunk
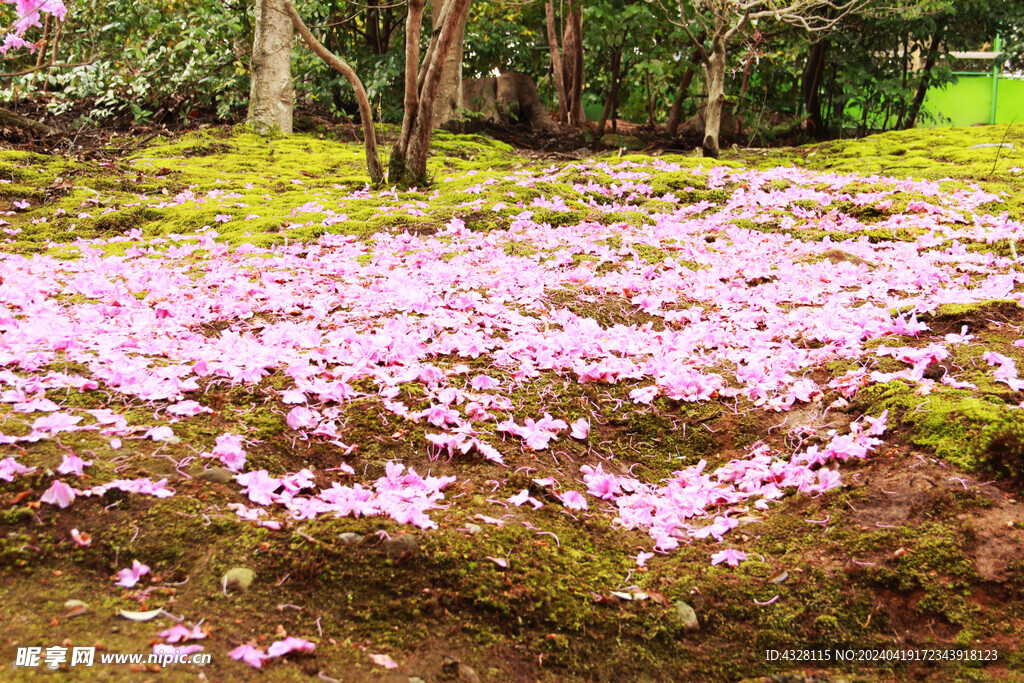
x,y
271,96
373,165
572,64
613,90
408,164
714,71
556,62
926,76
43,43
373,39
650,102
449,93
413,23
675,114
748,69
810,85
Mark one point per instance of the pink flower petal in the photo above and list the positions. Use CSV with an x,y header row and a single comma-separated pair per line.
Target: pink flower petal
x,y
384,661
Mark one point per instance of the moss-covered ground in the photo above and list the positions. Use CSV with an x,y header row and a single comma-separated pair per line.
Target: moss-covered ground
x,y
920,548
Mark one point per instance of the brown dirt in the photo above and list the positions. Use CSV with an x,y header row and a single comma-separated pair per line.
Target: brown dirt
x,y
101,140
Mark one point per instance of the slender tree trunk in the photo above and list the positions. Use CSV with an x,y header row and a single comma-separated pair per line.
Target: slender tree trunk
x,y
926,76
556,62
810,85
411,102
373,39
748,69
43,43
271,96
613,90
650,102
572,64
408,164
714,71
675,114
373,164
449,94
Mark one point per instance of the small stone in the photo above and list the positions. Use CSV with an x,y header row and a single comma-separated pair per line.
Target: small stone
x,y
396,546
238,577
687,616
467,674
474,528
350,538
416,679
934,371
74,608
216,475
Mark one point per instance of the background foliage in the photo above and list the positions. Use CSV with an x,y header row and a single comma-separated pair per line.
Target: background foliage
x,y
172,59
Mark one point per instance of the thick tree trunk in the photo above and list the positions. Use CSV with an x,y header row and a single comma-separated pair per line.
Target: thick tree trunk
x,y
810,85
714,71
572,64
449,93
613,90
508,100
408,164
926,77
271,96
373,164
556,62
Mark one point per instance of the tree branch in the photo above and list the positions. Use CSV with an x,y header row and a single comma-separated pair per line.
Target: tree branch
x,y
17,120
373,164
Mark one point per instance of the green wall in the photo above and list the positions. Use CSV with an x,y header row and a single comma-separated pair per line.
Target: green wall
x,y
969,100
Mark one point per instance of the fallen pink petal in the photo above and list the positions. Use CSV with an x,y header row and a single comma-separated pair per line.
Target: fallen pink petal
x,y
252,656
290,644
130,576
729,556
384,661
767,602
179,633
644,385
59,494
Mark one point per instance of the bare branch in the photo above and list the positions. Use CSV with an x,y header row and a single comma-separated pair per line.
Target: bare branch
x,y
13,74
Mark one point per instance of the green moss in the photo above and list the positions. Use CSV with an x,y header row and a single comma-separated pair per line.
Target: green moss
x,y
1001,447
946,422
554,598
970,312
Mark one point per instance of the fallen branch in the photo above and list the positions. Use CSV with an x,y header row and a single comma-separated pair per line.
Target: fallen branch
x,y
8,117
